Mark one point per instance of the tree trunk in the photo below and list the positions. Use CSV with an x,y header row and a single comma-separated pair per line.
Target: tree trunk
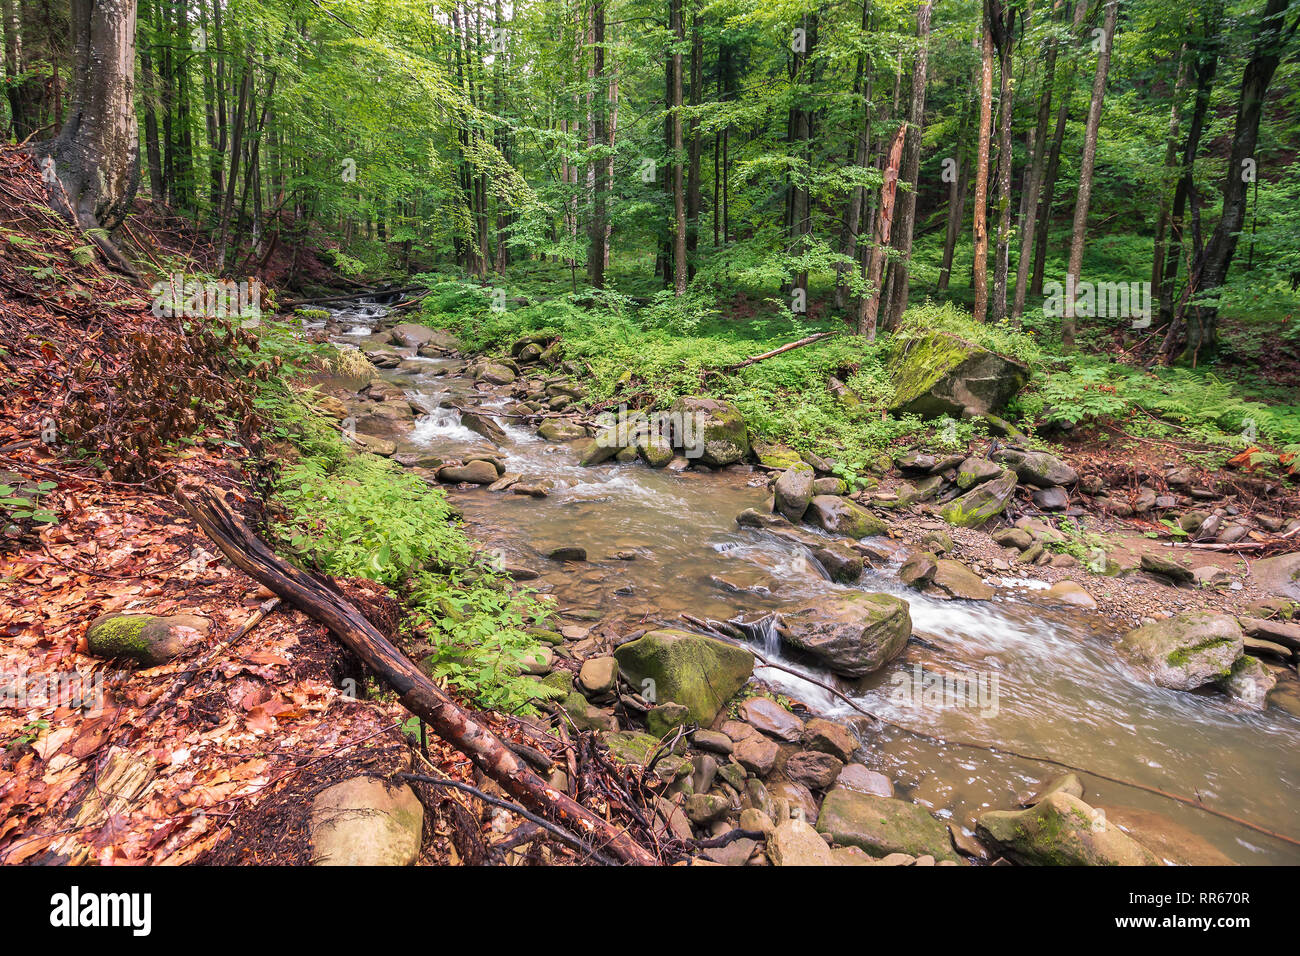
x,y
1079,231
981,230
1271,37
596,245
869,305
1003,21
693,173
905,219
96,157
1033,185
1169,169
678,27
1054,160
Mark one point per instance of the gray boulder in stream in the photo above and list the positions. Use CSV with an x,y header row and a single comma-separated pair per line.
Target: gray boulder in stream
x,y
883,825
1186,651
941,374
851,633
716,430
1038,467
483,425
794,490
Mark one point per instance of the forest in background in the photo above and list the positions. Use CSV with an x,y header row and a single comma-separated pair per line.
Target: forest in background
x,y
710,149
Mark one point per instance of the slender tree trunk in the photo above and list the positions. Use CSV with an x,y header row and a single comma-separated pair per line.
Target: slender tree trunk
x,y
981,230
1003,21
693,173
1169,169
869,304
596,246
1079,231
1054,158
1034,181
905,219
958,185
680,273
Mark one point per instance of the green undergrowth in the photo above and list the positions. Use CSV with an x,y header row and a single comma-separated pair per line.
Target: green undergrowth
x,y
351,514
785,398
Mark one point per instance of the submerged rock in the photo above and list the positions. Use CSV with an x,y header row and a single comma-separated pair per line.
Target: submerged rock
x,y
1249,682
883,825
1186,651
1061,830
853,633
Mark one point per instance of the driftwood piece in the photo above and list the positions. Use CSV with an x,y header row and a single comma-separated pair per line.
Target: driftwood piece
x,y
416,692
807,340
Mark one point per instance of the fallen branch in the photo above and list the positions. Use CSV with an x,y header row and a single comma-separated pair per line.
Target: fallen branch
x,y
767,355
415,691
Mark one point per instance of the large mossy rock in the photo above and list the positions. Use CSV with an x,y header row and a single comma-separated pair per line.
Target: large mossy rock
x,y
1186,651
700,673
716,425
853,633
841,516
1062,830
883,825
940,374
364,822
145,638
981,503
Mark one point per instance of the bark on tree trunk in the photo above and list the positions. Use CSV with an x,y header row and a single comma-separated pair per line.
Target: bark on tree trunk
x,y
596,233
1079,232
981,230
678,27
1270,39
905,219
96,157
1002,20
869,305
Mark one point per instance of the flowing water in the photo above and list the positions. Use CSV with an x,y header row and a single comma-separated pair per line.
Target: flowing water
x,y
1040,680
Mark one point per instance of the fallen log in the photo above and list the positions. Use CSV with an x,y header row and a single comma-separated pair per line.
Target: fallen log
x,y
416,692
789,346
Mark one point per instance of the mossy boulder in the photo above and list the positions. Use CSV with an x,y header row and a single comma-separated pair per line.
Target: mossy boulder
x,y
1249,682
698,672
1187,650
712,431
940,374
775,455
557,429
841,516
883,825
982,503
853,633
145,638
1061,830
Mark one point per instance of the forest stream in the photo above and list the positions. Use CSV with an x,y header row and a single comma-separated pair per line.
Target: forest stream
x,y
1046,680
